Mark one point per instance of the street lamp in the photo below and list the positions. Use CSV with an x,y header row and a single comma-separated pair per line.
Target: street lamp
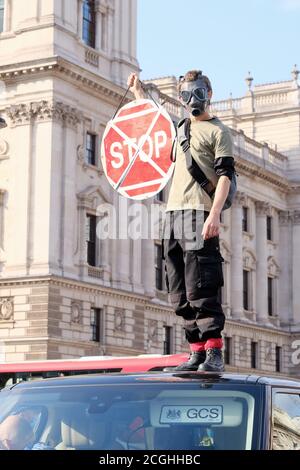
x,y
2,123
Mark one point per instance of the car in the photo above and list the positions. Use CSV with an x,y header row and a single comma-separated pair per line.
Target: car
x,y
152,411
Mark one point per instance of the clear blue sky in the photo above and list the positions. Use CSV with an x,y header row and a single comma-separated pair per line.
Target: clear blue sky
x,y
223,38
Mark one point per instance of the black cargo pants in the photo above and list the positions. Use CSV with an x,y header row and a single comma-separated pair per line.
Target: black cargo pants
x,y
193,275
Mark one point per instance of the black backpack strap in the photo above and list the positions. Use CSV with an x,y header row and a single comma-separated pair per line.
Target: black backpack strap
x,y
184,140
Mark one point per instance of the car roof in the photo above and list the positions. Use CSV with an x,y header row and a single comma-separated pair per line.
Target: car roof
x,y
160,377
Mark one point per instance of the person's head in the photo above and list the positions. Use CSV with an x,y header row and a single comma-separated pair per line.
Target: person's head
x,y
195,92
15,433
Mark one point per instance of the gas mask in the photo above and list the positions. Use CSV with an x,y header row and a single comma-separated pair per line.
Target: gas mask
x,y
194,96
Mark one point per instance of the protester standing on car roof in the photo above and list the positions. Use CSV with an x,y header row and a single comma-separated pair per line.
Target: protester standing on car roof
x,y
194,269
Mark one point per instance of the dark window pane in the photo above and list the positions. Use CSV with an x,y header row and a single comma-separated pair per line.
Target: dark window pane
x,y
167,341
270,296
91,239
253,355
158,267
89,23
96,314
269,228
246,289
227,352
278,359
245,219
91,149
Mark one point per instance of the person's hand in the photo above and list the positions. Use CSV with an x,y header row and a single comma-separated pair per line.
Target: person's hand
x,y
211,227
135,86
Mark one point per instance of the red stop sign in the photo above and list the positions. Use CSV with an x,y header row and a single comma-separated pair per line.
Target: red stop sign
x,y
136,149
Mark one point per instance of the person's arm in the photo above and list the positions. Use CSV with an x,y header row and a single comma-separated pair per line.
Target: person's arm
x,y
136,86
211,227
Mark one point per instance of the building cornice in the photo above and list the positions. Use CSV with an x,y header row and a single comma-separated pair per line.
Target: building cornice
x,y
58,66
250,169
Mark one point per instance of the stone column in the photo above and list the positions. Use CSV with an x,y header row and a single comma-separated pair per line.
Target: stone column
x,y
262,209
296,266
2,254
79,18
285,283
237,256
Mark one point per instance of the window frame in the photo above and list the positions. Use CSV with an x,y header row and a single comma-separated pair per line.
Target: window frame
x,y
90,242
159,268
270,296
245,219
269,228
89,23
246,292
97,326
254,356
91,153
168,339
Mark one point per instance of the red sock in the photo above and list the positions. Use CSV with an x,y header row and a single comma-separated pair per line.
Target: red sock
x,y
214,343
196,347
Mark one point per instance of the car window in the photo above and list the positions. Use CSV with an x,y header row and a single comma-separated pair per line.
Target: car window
x,y
286,421
137,416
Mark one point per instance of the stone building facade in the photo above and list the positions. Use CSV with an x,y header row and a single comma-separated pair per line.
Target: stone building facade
x,y
63,292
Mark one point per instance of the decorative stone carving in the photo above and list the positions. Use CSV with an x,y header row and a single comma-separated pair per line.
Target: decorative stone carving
x,y
119,320
153,330
240,198
80,154
243,348
284,217
225,250
4,147
296,217
268,352
249,259
43,111
262,208
76,312
273,267
6,309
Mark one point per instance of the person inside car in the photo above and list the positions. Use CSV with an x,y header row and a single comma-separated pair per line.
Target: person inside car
x,y
15,433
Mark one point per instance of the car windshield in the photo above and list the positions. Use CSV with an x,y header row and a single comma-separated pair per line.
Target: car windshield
x,y
130,416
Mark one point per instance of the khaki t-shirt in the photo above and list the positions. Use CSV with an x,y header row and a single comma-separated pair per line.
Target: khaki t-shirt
x,y
209,140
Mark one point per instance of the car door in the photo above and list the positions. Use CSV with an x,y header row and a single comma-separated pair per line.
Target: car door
x,y
285,434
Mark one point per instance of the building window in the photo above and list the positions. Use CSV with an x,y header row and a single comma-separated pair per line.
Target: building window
x,y
167,340
96,324
278,358
246,276
158,267
269,228
90,150
227,351
91,225
160,196
245,222
89,23
1,15
253,355
270,296
222,217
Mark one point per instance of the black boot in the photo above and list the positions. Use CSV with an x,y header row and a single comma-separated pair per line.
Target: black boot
x,y
196,358
214,361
